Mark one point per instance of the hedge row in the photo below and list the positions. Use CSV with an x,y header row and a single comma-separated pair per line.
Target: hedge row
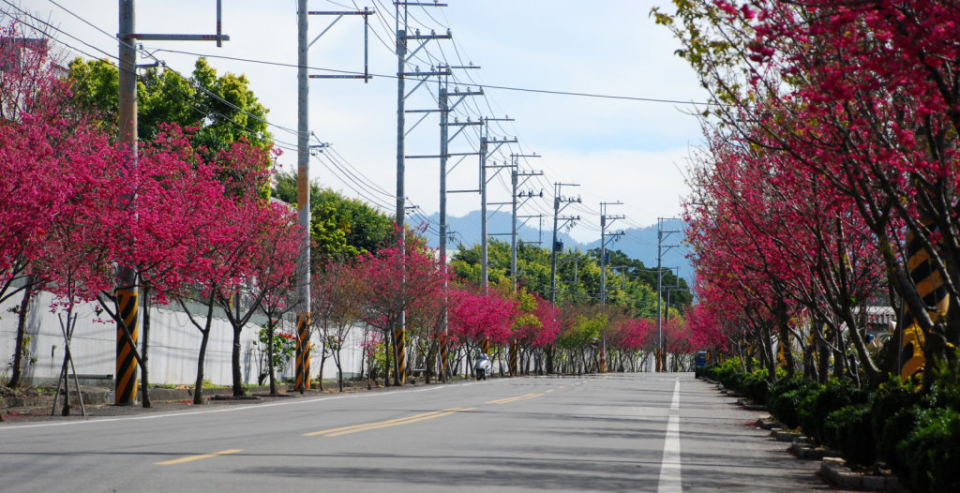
x,y
916,435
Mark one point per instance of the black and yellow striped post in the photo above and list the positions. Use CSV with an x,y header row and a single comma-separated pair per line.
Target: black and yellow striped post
x,y
603,358
128,306
485,346
444,366
931,288
781,354
659,361
514,356
401,354
302,382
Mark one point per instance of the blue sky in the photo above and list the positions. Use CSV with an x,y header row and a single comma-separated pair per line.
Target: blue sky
x,y
617,150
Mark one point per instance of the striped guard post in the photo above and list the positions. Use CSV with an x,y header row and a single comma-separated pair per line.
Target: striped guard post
x,y
302,381
485,346
401,354
514,356
659,361
128,307
930,286
444,357
603,358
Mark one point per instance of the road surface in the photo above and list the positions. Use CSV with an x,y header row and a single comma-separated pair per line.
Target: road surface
x,y
617,432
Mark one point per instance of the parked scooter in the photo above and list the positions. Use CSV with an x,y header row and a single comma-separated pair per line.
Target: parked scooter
x,y
482,368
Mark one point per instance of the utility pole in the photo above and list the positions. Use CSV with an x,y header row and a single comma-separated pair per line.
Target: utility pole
x,y
516,183
445,139
403,57
485,143
127,294
661,235
447,102
603,269
555,246
302,381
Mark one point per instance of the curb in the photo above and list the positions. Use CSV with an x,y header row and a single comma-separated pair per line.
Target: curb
x,y
835,469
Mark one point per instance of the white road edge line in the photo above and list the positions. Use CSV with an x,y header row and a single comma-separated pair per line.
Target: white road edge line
x,y
676,396
670,466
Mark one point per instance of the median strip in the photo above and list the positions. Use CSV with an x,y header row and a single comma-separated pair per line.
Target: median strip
x,y
197,457
514,399
334,432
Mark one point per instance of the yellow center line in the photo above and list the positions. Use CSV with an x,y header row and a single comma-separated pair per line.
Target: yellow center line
x,y
514,399
335,432
551,390
197,457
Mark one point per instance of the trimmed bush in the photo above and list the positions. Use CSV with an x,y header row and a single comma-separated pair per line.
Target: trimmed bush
x,y
784,398
754,386
893,417
819,403
896,428
849,431
932,452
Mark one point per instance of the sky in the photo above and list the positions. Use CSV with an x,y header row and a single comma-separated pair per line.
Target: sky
x,y
616,150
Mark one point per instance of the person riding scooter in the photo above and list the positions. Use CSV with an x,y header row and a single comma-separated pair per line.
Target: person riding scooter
x,y
482,367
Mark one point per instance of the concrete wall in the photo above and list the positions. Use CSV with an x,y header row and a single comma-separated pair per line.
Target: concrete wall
x,y
174,346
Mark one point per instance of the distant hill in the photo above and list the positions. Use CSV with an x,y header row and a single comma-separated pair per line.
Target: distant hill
x,y
637,243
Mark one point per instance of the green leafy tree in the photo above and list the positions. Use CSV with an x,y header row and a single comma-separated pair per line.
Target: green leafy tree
x,y
340,226
221,108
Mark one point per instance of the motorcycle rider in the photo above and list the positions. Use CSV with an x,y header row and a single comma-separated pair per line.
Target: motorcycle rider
x,y
482,367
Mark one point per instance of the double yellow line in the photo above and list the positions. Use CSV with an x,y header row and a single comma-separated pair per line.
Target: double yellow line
x,y
514,399
335,432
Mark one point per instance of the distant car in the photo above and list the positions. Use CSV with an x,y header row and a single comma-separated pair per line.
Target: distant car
x,y
701,359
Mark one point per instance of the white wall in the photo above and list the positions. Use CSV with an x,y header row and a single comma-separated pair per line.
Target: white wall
x,y
174,346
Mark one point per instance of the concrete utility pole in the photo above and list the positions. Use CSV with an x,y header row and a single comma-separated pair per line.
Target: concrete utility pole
x,y
302,381
445,139
660,251
603,269
516,183
485,143
555,247
127,294
446,107
403,57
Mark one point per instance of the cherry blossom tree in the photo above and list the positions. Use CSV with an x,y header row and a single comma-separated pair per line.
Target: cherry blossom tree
x,y
335,306
860,98
397,280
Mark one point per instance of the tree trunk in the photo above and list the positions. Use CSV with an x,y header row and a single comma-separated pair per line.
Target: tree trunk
x,y
839,359
323,363
17,373
270,352
235,363
198,387
337,362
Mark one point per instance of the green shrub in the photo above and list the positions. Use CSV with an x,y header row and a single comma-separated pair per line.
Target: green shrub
x,y
932,451
784,398
848,430
818,403
895,429
755,385
893,417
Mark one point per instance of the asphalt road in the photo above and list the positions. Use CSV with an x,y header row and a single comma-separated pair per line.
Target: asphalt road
x,y
623,432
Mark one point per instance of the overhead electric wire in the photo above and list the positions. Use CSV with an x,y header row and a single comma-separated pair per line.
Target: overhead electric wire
x,y
51,26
